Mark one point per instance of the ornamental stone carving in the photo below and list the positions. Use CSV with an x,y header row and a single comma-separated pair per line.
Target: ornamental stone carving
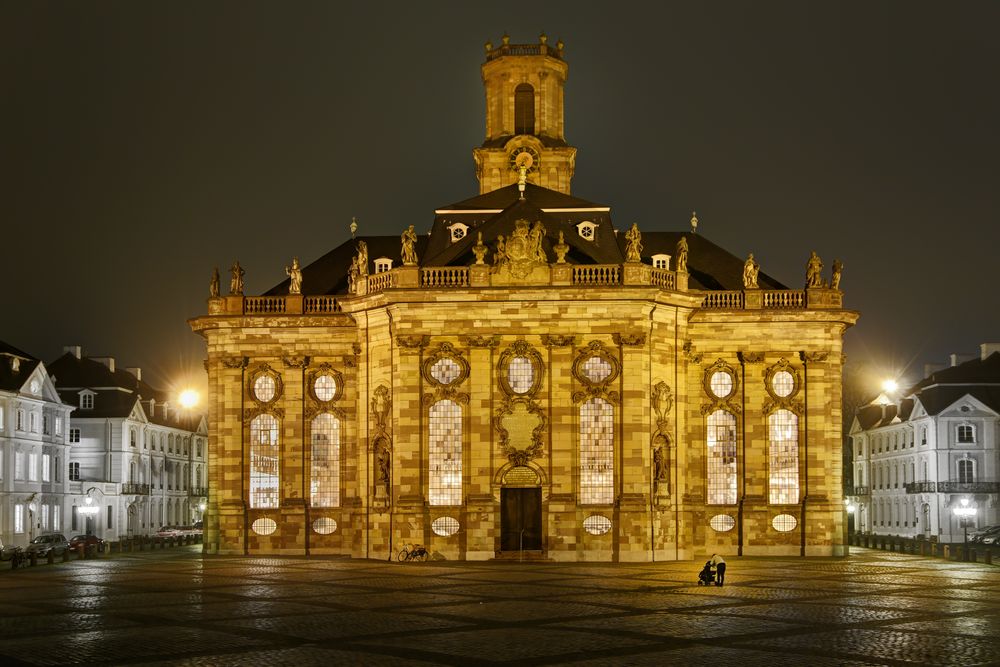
x,y
520,348
629,339
730,401
520,423
316,403
786,397
412,341
596,377
663,403
751,357
556,340
481,341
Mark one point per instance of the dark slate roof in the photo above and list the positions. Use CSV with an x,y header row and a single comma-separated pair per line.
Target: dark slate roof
x,y
869,416
9,380
494,213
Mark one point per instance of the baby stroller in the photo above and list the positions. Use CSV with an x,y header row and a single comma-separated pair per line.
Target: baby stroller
x,y
707,575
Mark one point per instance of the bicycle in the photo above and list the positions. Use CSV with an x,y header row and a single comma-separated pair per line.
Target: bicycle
x,y
414,552
18,558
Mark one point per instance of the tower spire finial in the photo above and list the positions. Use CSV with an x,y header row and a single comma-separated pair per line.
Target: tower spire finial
x,y
694,222
354,226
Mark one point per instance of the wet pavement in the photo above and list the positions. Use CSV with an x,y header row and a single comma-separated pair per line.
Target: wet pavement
x,y
178,608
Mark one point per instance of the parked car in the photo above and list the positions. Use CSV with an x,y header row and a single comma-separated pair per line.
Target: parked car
x,y
168,531
7,551
991,537
86,540
43,544
980,535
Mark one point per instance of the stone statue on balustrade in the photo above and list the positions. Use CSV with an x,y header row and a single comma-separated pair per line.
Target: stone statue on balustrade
x,y
751,269
213,287
362,258
633,244
480,249
814,271
409,240
838,268
236,282
682,255
294,273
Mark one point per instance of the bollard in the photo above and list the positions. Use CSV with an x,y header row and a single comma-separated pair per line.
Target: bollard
x,y
80,552
65,555
91,551
50,557
988,556
33,559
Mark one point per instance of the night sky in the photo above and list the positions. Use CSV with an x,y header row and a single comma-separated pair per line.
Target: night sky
x,y
141,144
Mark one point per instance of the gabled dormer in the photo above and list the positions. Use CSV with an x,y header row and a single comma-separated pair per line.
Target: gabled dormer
x,y
457,231
587,230
87,399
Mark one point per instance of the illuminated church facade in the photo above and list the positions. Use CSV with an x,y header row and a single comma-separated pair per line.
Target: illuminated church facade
x,y
527,380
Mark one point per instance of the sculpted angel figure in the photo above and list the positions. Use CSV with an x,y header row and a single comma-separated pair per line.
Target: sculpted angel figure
x,y
838,268
537,234
294,272
236,282
409,239
814,270
750,271
213,287
633,244
682,255
500,254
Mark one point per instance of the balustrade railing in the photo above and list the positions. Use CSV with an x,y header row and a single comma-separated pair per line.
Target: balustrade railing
x,y
379,281
444,276
729,299
198,491
968,487
920,487
664,278
597,274
861,491
133,488
322,304
784,299
263,305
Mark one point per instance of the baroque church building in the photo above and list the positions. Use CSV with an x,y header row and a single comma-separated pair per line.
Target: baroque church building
x,y
525,378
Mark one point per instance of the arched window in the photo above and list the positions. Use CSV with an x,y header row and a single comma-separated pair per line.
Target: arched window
x,y
524,109
132,437
264,461
966,433
783,426
597,452
966,471
324,485
445,453
721,439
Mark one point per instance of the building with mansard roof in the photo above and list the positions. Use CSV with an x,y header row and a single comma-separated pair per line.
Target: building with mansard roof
x,y
527,379
933,450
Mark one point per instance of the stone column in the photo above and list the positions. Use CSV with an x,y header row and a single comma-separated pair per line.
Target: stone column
x,y
409,418
293,457
482,516
563,521
227,468
635,462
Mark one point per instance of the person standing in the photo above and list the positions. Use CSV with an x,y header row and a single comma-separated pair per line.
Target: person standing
x,y
720,569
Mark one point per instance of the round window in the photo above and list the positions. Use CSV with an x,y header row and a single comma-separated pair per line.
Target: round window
x,y
325,387
784,523
596,369
264,388
324,525
722,523
445,371
783,383
264,526
595,524
520,375
445,526
721,384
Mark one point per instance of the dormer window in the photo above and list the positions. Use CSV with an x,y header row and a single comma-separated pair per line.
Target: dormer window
x,y
457,231
661,261
587,230
87,401
383,264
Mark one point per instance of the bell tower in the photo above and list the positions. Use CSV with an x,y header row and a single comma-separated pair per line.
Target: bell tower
x,y
524,115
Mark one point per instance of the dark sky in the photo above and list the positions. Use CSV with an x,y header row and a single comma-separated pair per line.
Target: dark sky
x,y
141,144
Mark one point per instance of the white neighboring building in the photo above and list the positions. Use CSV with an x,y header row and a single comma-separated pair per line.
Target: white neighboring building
x,y
917,459
136,457
33,450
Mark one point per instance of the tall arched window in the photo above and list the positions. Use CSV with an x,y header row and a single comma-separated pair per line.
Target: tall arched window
x,y
721,439
966,472
524,109
324,486
264,462
445,453
783,426
597,452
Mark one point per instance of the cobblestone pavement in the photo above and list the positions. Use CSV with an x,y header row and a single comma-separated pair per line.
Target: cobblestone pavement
x,y
179,608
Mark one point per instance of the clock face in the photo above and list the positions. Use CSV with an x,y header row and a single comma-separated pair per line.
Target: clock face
x,y
530,160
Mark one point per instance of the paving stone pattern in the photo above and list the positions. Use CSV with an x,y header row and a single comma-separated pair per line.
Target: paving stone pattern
x,y
181,608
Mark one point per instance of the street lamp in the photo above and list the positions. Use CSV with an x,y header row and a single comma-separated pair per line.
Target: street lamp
x,y
966,515
890,386
189,398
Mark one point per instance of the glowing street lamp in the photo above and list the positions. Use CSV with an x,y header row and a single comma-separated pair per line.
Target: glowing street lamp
x,y
966,515
189,398
890,386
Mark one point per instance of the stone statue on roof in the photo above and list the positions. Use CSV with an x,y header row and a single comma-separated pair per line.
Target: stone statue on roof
x,y
294,273
633,244
480,249
814,271
236,282
213,286
682,255
838,268
362,258
750,271
409,240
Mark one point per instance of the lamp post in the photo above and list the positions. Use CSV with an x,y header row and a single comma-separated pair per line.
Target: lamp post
x,y
966,515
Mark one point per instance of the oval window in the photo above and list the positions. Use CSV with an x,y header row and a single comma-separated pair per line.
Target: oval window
x,y
445,526
595,524
722,523
325,387
596,369
783,384
264,526
520,375
445,371
784,523
324,525
264,388
721,383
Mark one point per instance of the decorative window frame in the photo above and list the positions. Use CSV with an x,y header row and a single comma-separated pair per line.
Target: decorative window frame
x,y
316,404
591,389
457,231
776,402
383,265
661,261
87,399
520,348
728,402
260,371
587,226
441,390
958,433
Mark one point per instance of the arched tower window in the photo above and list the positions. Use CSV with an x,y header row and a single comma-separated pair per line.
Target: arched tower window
x,y
524,109
264,462
783,427
325,474
597,451
445,453
721,439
